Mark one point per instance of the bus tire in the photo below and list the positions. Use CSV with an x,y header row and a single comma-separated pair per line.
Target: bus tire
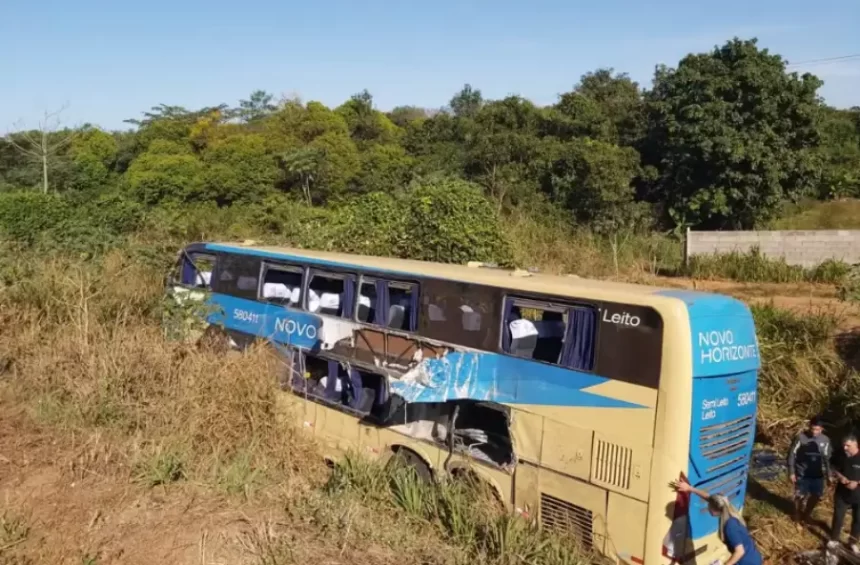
x,y
407,457
471,479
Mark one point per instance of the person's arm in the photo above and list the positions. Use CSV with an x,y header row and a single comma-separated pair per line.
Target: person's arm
x,y
737,555
682,486
826,456
792,458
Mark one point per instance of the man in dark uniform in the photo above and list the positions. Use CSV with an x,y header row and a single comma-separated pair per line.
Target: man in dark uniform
x,y
809,469
847,496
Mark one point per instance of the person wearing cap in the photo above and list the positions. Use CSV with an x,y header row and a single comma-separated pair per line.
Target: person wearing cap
x,y
809,469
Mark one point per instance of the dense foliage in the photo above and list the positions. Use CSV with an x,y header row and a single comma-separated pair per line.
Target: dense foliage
x,y
723,140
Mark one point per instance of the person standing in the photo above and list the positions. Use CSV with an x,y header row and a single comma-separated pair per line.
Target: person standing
x,y
732,529
809,469
847,495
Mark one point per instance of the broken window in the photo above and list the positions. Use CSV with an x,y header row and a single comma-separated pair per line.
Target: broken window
x,y
196,270
330,294
482,430
282,284
552,333
392,304
477,429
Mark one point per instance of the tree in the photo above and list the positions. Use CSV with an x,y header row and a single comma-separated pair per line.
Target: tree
x,y
40,144
593,180
303,163
840,153
367,125
619,99
238,169
466,103
402,116
93,154
731,135
502,146
258,106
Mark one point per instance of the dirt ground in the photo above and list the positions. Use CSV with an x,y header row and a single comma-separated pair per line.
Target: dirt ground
x,y
57,509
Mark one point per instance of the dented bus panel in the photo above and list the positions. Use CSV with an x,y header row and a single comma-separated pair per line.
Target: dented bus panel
x,y
576,401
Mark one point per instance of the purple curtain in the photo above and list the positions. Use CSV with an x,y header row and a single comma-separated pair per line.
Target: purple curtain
x,y
381,318
413,310
506,328
579,339
348,297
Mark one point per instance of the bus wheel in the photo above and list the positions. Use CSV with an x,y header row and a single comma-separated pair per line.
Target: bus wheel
x,y
472,481
408,458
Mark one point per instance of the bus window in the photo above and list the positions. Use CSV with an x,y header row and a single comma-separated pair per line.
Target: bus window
x,y
238,276
197,270
554,334
403,306
397,299
283,285
330,294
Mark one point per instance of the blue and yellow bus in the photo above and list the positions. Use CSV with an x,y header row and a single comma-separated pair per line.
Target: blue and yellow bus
x,y
575,401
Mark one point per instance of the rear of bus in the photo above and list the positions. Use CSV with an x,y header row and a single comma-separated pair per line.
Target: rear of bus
x,y
706,427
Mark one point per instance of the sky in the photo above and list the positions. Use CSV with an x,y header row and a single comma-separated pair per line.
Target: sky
x,y
107,61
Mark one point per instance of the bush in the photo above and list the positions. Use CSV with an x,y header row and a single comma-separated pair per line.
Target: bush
x,y
451,221
25,216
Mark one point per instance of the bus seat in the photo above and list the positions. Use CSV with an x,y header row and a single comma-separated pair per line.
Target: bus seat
x,y
276,290
333,385
396,316
436,313
296,295
329,303
313,300
524,336
204,278
471,319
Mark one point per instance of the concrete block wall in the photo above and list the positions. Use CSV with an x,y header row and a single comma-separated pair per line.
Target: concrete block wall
x,y
805,248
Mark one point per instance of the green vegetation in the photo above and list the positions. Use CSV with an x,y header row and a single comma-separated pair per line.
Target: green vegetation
x,y
608,158
755,267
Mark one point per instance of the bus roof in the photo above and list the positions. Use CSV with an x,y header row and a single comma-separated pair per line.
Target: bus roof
x,y
559,285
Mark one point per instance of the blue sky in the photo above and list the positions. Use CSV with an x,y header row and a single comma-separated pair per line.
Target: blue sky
x,y
110,60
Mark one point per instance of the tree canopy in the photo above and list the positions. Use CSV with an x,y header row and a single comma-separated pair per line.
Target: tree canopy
x,y
721,140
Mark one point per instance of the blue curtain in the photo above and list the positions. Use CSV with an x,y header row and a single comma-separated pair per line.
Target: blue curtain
x,y
506,328
357,387
381,318
348,297
579,339
413,310
188,271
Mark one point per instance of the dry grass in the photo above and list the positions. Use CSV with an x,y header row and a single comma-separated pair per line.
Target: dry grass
x,y
83,352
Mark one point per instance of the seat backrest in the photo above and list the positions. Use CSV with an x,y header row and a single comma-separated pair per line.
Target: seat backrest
x,y
524,336
329,303
396,316
276,290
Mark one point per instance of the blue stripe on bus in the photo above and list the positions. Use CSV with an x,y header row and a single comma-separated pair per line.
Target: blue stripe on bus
x,y
283,256
475,375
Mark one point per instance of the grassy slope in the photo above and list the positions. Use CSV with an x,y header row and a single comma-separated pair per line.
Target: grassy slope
x,y
81,354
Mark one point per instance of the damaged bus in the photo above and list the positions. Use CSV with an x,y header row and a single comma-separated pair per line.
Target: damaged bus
x,y
576,401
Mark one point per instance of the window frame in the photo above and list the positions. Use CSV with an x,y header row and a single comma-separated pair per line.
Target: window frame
x,y
265,265
402,283
550,304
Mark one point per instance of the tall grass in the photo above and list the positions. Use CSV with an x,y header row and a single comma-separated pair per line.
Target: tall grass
x,y
755,267
84,353
802,373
